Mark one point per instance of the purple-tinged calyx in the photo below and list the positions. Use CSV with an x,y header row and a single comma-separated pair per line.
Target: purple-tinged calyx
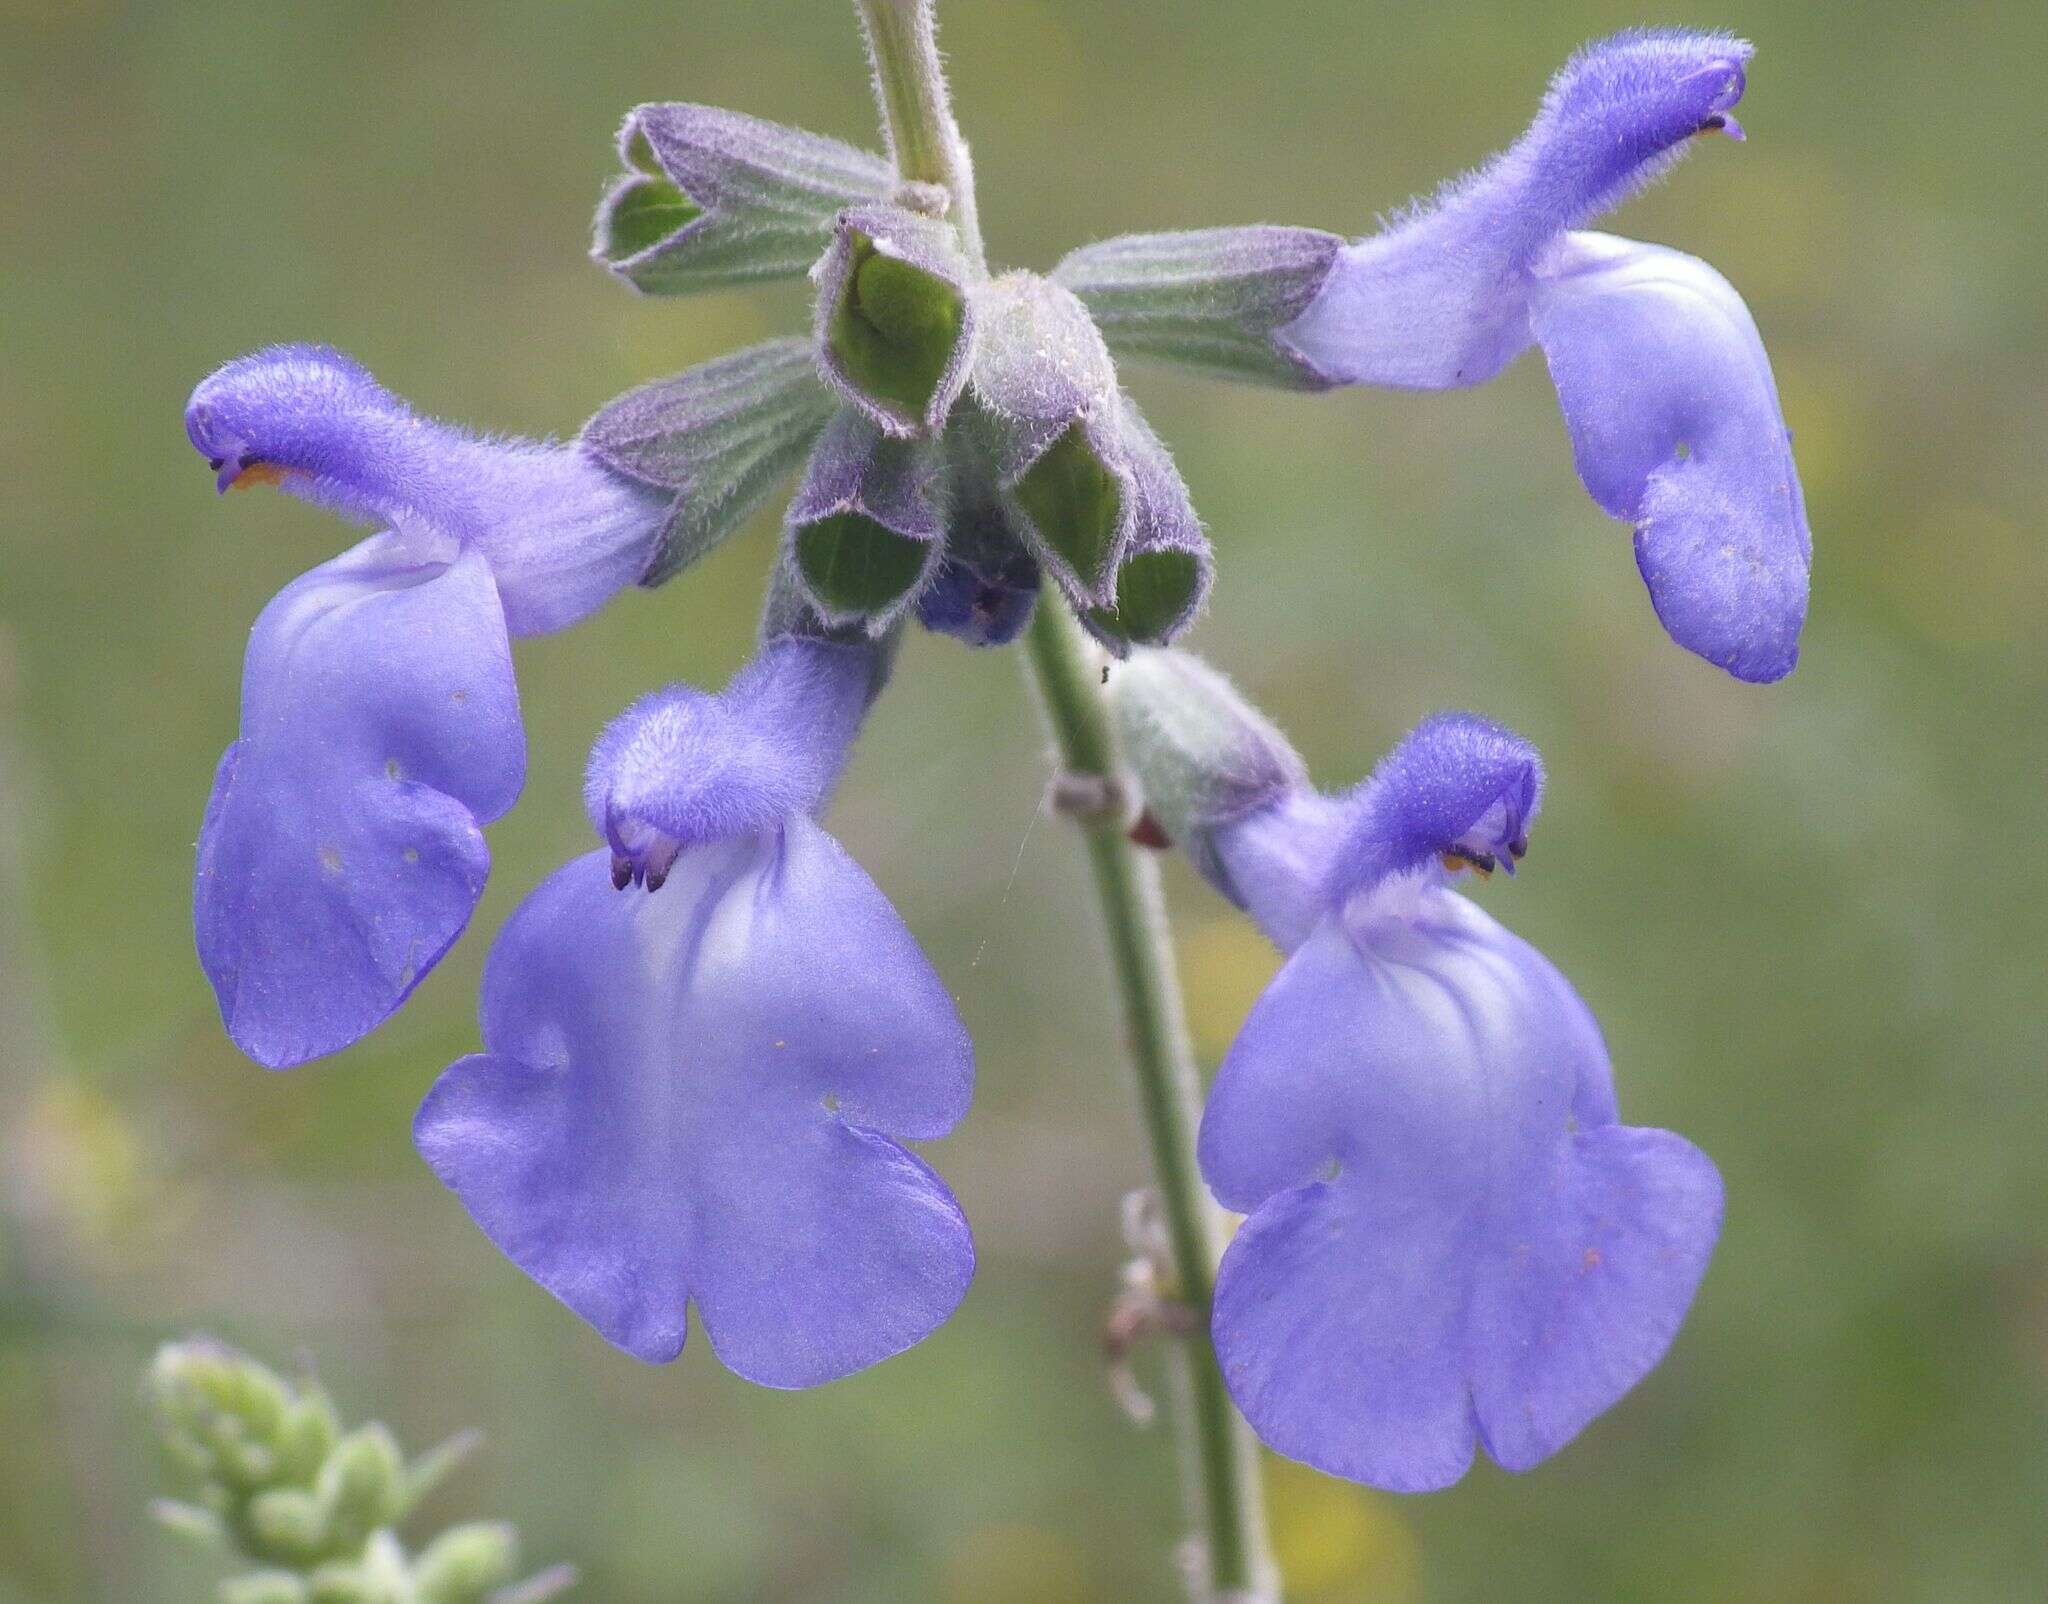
x,y
1665,387
716,440
1165,569
896,321
1047,418
867,528
1210,298
560,531
713,197
683,767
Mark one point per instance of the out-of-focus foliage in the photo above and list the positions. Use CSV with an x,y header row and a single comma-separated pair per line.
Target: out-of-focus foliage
x,y
267,1475
1812,918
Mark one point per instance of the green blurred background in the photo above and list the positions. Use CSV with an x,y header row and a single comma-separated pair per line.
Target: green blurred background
x,y
1810,917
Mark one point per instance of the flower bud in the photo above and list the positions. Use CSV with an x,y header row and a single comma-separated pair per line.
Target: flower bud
x,y
987,583
465,1563
1203,755
866,528
361,1487
714,197
718,437
1210,298
287,1525
895,322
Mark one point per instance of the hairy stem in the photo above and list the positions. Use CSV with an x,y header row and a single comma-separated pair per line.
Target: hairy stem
x,y
1220,1456
1222,1465
917,114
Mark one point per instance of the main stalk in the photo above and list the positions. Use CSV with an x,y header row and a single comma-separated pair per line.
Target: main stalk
x,y
1224,1496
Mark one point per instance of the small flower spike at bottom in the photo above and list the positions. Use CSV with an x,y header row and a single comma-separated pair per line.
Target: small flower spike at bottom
x,y
703,1042
1451,1239
341,852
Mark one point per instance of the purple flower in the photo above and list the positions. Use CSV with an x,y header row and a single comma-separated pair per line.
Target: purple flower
x,y
1451,1238
1666,391
695,1096
340,854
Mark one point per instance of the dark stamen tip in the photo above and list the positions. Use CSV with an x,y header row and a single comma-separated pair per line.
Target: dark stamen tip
x,y
622,873
1148,832
656,879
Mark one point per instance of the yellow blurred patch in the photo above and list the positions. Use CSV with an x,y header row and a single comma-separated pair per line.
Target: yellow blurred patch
x,y
74,1161
1833,431
1224,964
1336,1541
1015,1564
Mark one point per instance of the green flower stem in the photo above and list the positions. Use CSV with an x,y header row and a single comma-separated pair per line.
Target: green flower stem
x,y
1222,1462
1221,1458
910,87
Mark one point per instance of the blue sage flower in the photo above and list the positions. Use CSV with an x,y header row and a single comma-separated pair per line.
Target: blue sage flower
x,y
341,853
696,1096
1451,1238
1666,391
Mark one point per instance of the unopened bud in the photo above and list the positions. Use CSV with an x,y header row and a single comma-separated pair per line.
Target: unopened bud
x,y
465,1563
289,1526
987,584
1203,755
361,1487
265,1587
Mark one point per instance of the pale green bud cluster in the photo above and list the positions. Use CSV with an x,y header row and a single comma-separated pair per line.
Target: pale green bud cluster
x,y
272,1477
